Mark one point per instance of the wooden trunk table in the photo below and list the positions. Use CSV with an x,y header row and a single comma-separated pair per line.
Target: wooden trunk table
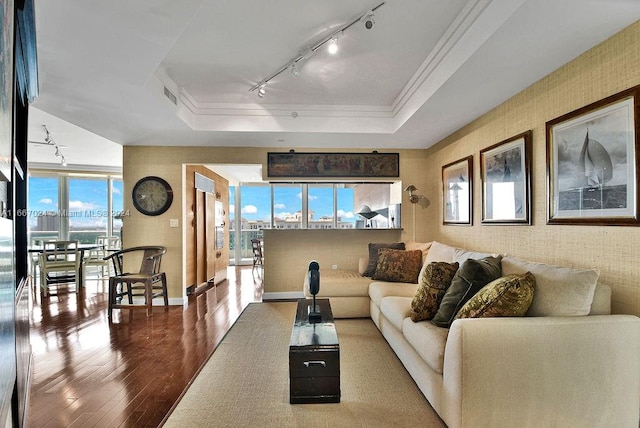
x,y
314,356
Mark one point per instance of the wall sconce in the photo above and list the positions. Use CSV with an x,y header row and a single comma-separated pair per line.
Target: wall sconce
x,y
412,198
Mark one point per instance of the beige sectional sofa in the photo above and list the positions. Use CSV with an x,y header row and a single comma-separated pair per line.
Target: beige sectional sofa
x,y
567,363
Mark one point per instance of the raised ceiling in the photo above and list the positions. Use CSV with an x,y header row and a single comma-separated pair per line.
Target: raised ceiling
x,y
425,69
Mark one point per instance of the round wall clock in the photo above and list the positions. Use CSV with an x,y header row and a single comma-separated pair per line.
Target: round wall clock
x,y
152,195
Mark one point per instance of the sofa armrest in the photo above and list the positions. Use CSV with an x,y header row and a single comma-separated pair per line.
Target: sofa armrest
x,y
546,371
363,263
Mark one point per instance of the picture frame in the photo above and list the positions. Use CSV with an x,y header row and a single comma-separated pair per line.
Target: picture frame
x,y
320,165
457,192
505,172
592,163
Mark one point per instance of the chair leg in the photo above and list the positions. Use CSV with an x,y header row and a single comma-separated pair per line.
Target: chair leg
x,y
148,296
112,296
165,293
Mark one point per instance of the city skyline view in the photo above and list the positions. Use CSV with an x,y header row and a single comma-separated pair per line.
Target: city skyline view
x,y
256,202
88,204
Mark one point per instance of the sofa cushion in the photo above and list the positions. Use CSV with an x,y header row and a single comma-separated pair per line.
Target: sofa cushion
x,y
507,296
339,282
422,246
439,252
432,285
468,280
373,255
396,309
379,290
398,265
559,291
427,340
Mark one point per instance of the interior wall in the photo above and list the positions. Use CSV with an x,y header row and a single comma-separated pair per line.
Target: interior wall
x,y
168,163
608,68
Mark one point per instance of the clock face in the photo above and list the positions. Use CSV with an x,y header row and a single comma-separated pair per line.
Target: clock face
x,y
152,195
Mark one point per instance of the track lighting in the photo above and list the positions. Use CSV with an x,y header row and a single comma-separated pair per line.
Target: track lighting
x,y
332,46
48,140
367,20
294,69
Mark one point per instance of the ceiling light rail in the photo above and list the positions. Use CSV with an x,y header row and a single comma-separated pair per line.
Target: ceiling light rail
x,y
365,17
49,141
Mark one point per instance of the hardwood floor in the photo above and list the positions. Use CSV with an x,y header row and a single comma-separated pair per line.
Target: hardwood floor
x,y
128,373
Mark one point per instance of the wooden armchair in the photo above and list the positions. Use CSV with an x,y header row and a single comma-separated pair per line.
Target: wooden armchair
x,y
149,281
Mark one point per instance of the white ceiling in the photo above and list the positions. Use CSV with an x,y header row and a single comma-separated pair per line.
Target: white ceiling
x,y
425,69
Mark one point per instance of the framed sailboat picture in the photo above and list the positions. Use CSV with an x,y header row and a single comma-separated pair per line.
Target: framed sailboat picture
x,y
505,171
457,191
592,163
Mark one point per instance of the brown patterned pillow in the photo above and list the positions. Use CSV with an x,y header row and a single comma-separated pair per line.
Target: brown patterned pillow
x,y
508,296
373,255
435,280
398,265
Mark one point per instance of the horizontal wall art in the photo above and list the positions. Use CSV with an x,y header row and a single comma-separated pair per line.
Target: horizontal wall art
x,y
592,163
292,164
505,170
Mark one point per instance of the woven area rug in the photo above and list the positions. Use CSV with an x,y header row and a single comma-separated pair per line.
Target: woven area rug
x,y
246,381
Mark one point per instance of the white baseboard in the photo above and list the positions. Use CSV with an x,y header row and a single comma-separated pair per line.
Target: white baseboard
x,y
290,295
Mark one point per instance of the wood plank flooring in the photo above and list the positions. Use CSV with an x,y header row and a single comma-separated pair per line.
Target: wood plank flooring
x,y
128,373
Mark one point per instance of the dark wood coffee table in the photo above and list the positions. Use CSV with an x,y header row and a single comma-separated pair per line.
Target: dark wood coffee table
x,y
314,356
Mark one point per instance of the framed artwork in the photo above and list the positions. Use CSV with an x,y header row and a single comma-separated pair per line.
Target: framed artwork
x,y
6,94
457,190
505,170
592,163
292,164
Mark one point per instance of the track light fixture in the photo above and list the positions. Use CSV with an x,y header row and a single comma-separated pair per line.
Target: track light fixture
x,y
333,47
48,139
365,17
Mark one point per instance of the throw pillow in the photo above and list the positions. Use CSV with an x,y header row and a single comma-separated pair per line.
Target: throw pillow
x,y
560,291
433,283
398,265
373,255
508,296
468,280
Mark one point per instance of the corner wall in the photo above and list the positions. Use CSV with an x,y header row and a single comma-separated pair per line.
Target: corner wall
x,y
606,69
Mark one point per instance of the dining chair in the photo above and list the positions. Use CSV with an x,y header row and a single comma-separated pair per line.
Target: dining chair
x,y
59,263
149,281
34,258
96,257
256,246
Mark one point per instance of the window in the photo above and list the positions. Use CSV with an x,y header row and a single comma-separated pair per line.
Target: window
x,y
287,206
74,206
42,204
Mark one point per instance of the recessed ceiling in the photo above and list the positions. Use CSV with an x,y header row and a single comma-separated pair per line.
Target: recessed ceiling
x,y
425,69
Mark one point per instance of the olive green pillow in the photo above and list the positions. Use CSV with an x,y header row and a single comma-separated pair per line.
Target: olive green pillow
x,y
373,255
468,280
433,283
508,296
398,265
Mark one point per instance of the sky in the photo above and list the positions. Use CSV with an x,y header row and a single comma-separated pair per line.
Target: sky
x,y
256,202
87,200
